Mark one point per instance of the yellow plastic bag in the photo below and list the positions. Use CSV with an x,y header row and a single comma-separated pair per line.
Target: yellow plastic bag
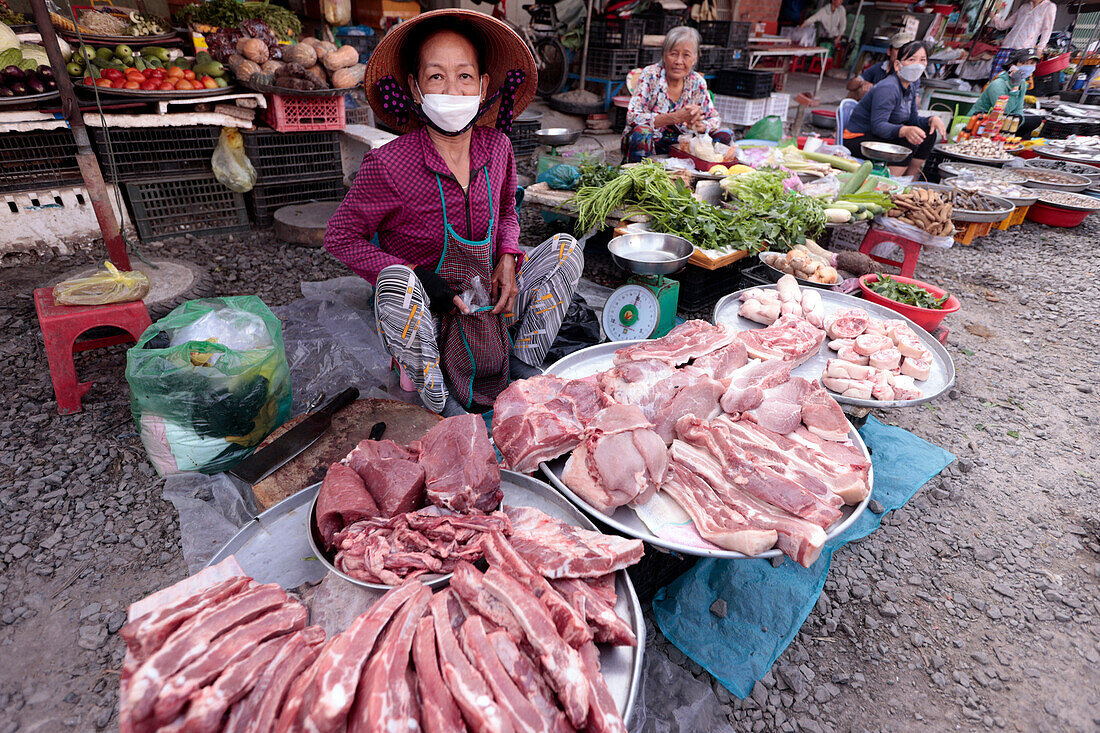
x,y
231,166
103,287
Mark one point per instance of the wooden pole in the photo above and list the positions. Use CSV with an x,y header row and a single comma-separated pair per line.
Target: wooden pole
x,y
85,158
584,48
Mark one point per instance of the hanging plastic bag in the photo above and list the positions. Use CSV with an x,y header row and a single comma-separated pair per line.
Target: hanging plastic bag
x,y
904,229
231,166
208,382
580,328
100,288
768,128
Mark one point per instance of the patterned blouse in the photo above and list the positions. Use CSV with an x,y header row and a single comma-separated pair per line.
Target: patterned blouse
x,y
650,99
396,196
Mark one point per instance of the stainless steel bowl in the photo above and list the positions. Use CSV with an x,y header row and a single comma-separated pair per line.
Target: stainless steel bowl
x,y
885,152
821,120
1035,180
555,136
650,253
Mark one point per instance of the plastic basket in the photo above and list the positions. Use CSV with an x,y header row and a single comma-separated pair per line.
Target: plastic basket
x,y
611,63
747,83
266,200
288,113
701,288
739,33
145,152
740,111
38,159
364,44
617,32
523,137
779,104
193,205
356,109
285,157
658,21
648,56
714,32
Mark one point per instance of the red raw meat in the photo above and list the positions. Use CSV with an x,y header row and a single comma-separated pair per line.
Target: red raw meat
x,y
603,714
342,499
529,679
260,710
391,474
438,711
471,593
294,700
460,465
847,323
512,702
606,624
721,364
823,416
790,338
559,550
689,340
633,383
700,398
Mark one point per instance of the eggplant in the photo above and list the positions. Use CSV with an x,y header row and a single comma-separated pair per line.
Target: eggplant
x,y
50,84
5,92
35,85
18,88
13,73
44,72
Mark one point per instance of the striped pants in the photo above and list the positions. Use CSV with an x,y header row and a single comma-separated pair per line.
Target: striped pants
x,y
546,282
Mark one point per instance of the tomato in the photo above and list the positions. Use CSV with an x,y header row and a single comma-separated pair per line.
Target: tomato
x,y
188,75
103,82
113,74
132,85
165,87
149,86
89,80
118,83
136,77
209,83
175,72
155,73
182,85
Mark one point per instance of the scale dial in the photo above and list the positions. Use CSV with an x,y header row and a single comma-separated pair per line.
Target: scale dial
x,y
631,312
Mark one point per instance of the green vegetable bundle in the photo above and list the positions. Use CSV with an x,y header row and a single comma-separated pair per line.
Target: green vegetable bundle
x,y
230,13
768,215
596,174
906,293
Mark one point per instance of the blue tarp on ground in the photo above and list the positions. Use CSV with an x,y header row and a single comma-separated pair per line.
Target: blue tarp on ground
x,y
766,605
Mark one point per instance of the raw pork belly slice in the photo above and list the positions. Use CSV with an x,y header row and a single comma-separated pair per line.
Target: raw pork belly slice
x,y
260,710
386,698
790,338
798,539
847,323
700,398
689,340
823,416
606,624
621,461
460,465
747,384
781,408
470,595
343,499
559,550
529,680
525,718
391,474
721,364
541,418
438,711
713,519
603,714
641,383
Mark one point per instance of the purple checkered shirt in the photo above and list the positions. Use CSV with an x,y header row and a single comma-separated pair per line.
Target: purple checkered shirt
x,y
395,195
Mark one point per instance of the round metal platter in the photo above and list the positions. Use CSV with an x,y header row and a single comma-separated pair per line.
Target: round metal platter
x,y
1011,175
273,548
1088,203
599,358
1041,178
156,94
971,158
983,216
28,99
1080,169
118,40
779,273
283,91
941,378
975,187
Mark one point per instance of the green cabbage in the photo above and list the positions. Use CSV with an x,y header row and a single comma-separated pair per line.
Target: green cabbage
x,y
35,53
7,38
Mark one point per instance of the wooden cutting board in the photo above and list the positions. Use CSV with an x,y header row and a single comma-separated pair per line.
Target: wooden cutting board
x,y
405,423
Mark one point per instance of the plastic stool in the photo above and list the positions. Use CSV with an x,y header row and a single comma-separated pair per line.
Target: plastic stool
x,y
61,327
911,249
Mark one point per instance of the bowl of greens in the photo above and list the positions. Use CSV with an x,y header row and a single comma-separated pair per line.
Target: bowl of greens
x,y
921,302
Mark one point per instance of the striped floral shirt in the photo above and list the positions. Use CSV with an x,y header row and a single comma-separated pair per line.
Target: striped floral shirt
x,y
650,99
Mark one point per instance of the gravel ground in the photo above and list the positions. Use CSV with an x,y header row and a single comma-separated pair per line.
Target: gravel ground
x,y
973,607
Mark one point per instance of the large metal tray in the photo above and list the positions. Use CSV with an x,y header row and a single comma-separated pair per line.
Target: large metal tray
x,y
941,378
996,162
28,100
135,41
284,92
274,548
156,94
599,358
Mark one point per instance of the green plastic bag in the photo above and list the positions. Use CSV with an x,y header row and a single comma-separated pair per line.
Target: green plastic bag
x,y
208,382
767,128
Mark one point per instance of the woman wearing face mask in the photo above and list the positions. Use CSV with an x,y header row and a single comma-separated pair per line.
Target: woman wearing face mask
x,y
670,99
888,113
459,306
1011,83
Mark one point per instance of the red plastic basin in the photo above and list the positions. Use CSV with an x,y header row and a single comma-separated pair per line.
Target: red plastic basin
x,y
926,318
1055,216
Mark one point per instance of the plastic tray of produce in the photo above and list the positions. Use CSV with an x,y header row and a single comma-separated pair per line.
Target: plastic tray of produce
x,y
598,358
276,547
940,379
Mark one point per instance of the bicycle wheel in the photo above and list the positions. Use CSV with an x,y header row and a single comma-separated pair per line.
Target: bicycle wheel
x,y
552,64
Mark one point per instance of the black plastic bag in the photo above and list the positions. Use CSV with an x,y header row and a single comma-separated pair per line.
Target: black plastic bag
x,y
580,328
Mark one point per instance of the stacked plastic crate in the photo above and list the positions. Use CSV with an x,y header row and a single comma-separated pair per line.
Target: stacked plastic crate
x,y
742,96
613,47
292,168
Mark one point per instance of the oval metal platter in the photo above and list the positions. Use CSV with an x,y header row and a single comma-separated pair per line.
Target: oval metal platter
x,y
28,99
598,358
275,547
950,153
156,94
941,378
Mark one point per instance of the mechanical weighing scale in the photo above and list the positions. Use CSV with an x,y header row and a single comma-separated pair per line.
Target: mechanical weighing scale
x,y
883,153
646,306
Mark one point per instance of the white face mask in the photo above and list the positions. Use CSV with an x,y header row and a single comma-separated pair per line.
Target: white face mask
x,y
451,113
912,72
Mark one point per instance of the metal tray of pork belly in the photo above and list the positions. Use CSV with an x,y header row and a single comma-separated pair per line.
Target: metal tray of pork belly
x,y
598,358
940,379
273,548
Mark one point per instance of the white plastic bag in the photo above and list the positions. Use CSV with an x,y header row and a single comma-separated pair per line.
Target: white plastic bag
x,y
916,234
231,166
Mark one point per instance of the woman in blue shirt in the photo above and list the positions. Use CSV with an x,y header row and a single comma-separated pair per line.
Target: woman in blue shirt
x,y
888,113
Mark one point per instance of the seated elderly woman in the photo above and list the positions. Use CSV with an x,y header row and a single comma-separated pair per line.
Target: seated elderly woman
x,y
670,99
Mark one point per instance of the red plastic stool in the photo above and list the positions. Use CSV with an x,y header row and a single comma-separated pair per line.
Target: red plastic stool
x,y
61,326
908,246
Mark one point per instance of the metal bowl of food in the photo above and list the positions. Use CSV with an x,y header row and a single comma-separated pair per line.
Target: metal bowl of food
x,y
554,136
650,253
1055,180
885,152
1065,166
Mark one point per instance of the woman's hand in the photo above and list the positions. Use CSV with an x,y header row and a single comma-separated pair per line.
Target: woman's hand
x,y
504,288
937,126
912,134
